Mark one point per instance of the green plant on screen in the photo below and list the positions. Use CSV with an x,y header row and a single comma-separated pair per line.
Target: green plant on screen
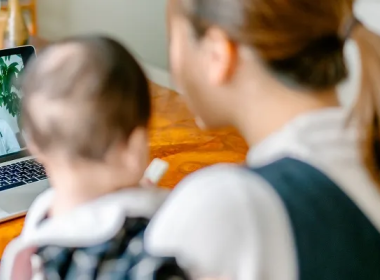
x,y
8,87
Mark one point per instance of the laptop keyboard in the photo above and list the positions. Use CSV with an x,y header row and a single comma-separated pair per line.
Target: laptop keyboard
x,y
21,173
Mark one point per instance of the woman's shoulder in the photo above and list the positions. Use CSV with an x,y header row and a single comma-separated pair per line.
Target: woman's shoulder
x,y
218,186
230,181
221,204
218,177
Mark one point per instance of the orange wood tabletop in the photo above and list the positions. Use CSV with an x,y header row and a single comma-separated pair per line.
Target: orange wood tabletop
x,y
176,139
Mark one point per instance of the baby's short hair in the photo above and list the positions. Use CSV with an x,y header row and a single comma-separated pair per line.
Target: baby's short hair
x,y
83,95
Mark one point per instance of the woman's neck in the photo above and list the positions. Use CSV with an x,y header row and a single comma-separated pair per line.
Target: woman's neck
x,y
276,110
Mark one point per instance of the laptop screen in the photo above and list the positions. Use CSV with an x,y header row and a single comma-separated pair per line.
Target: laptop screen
x,y
12,63
11,139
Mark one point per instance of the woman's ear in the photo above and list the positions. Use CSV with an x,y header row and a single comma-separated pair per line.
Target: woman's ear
x,y
222,55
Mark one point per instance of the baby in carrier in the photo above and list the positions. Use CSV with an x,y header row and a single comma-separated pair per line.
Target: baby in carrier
x,y
86,108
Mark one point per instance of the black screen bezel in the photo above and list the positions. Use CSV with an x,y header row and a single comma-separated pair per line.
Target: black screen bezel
x,y
26,52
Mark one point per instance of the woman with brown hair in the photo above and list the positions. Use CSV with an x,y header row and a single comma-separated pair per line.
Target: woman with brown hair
x,y
308,204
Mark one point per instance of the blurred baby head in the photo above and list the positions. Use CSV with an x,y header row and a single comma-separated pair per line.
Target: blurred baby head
x,y
86,101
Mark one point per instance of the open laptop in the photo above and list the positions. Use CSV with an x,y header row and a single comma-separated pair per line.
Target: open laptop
x,y
22,179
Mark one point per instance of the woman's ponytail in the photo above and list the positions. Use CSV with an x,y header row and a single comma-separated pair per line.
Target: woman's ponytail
x,y
366,112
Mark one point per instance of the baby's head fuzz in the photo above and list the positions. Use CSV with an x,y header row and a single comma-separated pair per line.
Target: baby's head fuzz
x,y
87,100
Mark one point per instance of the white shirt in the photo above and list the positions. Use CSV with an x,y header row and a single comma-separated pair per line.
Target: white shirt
x,y
87,225
8,141
226,221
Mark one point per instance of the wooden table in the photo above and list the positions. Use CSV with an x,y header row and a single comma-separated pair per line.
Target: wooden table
x,y
176,139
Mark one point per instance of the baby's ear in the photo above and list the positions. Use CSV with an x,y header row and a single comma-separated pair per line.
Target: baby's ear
x,y
136,150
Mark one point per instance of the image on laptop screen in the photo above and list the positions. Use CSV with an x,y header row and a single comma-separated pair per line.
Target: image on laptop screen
x,y
11,138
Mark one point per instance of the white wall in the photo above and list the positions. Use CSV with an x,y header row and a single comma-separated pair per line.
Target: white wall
x,y
141,25
138,23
